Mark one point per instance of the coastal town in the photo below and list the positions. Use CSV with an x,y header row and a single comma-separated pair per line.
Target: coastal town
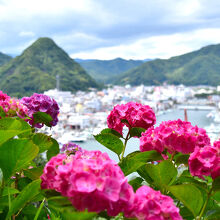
x,y
84,114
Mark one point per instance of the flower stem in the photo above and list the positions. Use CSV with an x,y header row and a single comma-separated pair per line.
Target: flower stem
x,y
205,205
39,210
126,140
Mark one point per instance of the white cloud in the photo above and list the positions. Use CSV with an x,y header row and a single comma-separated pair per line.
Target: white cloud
x,y
26,34
163,46
107,29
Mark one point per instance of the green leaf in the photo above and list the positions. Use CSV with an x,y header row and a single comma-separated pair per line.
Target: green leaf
x,y
125,121
181,159
23,182
162,174
53,150
187,178
34,173
42,117
136,183
111,131
10,127
216,184
110,141
27,127
25,196
64,206
9,190
43,141
137,159
189,195
186,214
213,214
142,171
78,215
216,196
15,154
136,132
2,112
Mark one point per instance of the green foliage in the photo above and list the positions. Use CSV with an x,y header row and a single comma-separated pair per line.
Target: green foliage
x,y
53,150
190,196
26,196
133,161
42,117
196,68
136,183
43,141
162,174
111,131
4,58
181,159
10,127
216,184
35,70
110,141
16,154
33,173
136,132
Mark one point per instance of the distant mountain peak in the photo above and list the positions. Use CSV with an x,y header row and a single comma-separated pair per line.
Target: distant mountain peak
x,y
36,68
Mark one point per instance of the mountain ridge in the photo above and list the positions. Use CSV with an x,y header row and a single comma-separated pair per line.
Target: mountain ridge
x,y
197,67
36,68
105,70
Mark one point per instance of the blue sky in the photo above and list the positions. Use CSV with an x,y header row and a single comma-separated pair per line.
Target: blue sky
x,y
106,29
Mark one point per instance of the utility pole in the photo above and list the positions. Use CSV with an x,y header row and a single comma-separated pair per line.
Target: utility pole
x,y
58,82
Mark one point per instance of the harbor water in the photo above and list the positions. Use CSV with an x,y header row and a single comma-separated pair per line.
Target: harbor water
x,y
196,117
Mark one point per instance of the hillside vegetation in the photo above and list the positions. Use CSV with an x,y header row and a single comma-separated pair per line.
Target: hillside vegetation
x,y
201,67
35,70
105,70
4,58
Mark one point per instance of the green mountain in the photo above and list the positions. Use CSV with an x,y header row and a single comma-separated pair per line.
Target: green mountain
x,y
105,70
35,70
201,67
4,58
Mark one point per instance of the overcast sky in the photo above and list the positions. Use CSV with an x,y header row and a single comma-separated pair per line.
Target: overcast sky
x,y
106,29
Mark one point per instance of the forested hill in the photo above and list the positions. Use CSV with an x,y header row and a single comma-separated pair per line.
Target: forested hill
x,y
35,70
4,58
106,70
201,67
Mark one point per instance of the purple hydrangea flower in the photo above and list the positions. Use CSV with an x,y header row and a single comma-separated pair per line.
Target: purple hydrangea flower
x,y
41,103
71,147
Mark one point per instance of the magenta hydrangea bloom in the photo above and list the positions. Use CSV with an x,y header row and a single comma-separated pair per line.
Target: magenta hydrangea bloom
x,y
136,114
70,147
90,180
152,205
12,107
174,136
205,161
41,103
4,101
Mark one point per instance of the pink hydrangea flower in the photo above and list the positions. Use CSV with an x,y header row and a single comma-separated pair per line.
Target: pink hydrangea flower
x,y
12,107
205,161
41,103
91,180
174,136
136,114
152,205
4,101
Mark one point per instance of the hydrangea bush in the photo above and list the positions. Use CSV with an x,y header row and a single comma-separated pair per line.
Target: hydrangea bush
x,y
175,174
